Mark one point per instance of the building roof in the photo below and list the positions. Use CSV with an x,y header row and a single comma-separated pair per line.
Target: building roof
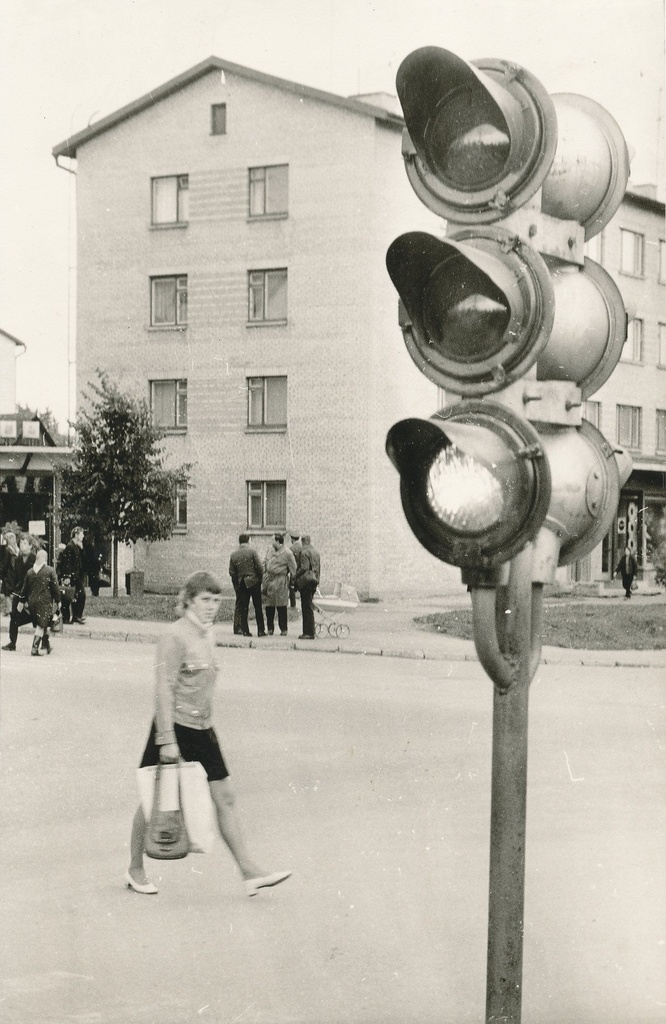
x,y
644,199
69,147
10,337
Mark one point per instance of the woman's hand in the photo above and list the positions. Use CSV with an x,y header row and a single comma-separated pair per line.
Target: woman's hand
x,y
169,753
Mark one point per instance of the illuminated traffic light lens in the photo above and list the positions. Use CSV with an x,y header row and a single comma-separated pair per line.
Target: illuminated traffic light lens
x,y
468,140
464,315
463,493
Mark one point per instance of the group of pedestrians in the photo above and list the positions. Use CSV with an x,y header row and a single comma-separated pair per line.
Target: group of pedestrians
x,y
291,565
37,592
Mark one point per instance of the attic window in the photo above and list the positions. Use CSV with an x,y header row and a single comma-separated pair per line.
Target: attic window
x,y
218,119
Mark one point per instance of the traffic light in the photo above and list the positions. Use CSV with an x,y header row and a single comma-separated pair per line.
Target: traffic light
x,y
503,303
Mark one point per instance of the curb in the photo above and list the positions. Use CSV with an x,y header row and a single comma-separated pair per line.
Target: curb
x,y
588,659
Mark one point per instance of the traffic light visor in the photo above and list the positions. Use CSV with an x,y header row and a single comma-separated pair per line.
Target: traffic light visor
x,y
479,310
482,134
469,484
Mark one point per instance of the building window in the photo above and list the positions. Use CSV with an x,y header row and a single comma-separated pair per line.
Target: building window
x,y
633,346
592,413
269,190
266,504
662,261
662,344
661,430
170,203
629,419
632,253
180,507
267,401
218,119
267,298
594,248
168,301
168,403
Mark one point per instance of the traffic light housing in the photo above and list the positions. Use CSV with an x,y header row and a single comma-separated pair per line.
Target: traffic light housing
x,y
503,303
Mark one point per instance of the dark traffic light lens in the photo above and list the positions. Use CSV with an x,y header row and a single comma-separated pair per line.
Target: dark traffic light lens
x,y
463,493
464,316
468,140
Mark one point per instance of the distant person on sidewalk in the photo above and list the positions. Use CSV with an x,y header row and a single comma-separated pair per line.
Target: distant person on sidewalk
x,y
279,565
19,567
295,546
627,567
71,575
307,581
185,674
246,573
40,592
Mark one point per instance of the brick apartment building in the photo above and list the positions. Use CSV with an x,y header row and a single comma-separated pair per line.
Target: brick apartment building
x,y
232,232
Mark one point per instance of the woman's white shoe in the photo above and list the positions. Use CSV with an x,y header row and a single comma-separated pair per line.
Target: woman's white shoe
x,y
148,888
253,885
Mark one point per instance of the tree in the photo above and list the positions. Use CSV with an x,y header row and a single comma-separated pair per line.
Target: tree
x,y
119,484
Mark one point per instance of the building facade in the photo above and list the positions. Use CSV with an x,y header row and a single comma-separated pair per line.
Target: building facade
x,y
630,409
232,233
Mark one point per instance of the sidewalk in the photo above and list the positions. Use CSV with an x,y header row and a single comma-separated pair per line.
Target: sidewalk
x,y
386,629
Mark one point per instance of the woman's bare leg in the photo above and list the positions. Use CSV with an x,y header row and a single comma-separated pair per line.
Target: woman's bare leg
x,y
224,799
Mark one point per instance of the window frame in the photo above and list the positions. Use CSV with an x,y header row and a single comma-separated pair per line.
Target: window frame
x,y
259,489
597,242
255,383
214,108
593,408
252,290
638,262
180,289
182,190
261,177
180,506
179,424
661,342
636,338
660,420
635,426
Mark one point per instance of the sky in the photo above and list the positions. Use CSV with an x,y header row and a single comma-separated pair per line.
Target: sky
x,y
64,64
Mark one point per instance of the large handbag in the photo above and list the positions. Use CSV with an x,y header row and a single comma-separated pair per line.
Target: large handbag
x,y
166,834
195,802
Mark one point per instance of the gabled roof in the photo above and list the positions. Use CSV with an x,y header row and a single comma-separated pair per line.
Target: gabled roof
x,y
69,147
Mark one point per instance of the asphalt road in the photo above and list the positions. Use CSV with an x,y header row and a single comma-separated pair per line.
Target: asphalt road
x,y
370,777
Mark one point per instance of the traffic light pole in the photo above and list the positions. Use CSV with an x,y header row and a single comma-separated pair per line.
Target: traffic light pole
x,y
507,623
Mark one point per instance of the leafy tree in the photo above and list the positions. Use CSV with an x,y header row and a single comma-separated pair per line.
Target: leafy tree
x,y
119,485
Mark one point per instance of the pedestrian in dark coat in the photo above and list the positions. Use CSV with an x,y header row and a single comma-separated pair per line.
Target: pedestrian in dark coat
x,y
278,566
296,552
40,592
246,573
15,580
307,581
627,567
72,575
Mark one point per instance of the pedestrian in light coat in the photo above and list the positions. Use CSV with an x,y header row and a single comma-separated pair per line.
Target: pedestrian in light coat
x,y
279,565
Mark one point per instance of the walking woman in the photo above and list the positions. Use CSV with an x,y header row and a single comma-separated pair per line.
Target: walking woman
x,y
185,674
40,592
279,565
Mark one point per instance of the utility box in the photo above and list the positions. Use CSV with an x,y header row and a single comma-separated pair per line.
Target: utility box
x,y
134,583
